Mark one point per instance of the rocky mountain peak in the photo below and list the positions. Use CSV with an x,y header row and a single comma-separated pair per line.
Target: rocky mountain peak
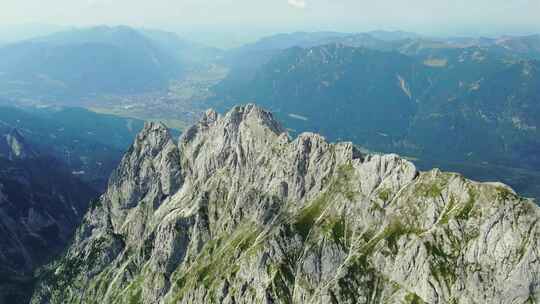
x,y
209,117
240,213
252,115
153,134
149,172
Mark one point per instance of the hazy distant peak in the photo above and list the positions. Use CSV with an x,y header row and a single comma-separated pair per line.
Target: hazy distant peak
x,y
393,35
99,34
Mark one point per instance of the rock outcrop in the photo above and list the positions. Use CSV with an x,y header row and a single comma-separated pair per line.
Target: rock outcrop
x,y
13,146
237,212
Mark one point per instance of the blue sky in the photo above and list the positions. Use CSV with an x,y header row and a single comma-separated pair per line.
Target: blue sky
x,y
455,17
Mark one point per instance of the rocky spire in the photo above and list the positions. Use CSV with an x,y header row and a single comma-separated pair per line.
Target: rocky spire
x,y
148,173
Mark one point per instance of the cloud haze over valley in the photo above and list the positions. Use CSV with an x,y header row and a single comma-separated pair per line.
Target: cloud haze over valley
x,y
264,16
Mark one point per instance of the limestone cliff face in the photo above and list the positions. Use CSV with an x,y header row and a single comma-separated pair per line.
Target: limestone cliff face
x,y
238,212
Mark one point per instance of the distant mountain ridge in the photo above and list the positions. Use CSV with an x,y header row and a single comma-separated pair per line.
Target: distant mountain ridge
x,y
524,45
404,42
90,144
187,53
90,62
428,99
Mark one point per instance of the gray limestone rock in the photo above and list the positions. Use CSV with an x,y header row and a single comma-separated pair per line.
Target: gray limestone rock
x,y
240,213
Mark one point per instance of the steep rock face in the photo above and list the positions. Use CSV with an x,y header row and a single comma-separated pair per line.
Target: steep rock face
x,y
239,213
148,173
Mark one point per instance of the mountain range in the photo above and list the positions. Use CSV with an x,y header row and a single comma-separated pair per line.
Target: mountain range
x,y
527,45
386,91
81,64
454,101
239,212
254,207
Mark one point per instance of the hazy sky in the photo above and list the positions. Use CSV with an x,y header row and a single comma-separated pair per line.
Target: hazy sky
x,y
425,16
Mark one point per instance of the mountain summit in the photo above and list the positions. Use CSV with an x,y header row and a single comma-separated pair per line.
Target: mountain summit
x,y
237,212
